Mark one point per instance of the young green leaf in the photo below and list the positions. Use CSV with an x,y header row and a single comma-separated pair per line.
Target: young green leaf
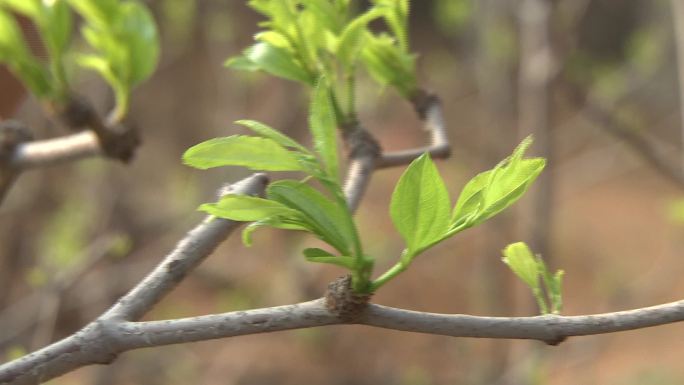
x,y
16,54
322,256
237,150
510,182
277,61
274,135
420,205
353,37
329,221
470,200
395,13
323,126
141,40
492,191
124,37
388,64
520,259
275,222
246,208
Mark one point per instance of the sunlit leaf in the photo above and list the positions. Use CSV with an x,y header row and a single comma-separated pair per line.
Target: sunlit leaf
x,y
237,150
420,205
323,126
277,61
275,135
247,208
331,222
523,263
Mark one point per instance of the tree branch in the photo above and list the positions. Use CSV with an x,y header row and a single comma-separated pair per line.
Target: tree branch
x,y
95,138
101,341
49,152
365,154
189,252
97,342
429,108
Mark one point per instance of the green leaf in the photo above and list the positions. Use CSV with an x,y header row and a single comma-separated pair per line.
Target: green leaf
x,y
141,39
278,62
241,63
275,135
275,222
509,182
523,263
237,150
388,64
247,208
331,222
15,53
102,66
492,191
124,35
470,199
353,37
420,205
322,256
396,17
100,13
325,13
323,126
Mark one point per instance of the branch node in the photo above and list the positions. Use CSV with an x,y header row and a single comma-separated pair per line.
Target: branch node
x,y
117,141
422,101
343,302
12,134
556,341
361,143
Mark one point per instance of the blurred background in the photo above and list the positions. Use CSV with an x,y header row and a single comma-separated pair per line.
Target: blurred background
x,y
596,81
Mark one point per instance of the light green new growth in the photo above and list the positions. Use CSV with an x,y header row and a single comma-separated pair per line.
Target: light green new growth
x,y
320,44
546,287
122,34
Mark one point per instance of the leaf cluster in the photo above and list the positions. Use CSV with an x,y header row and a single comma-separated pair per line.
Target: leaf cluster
x,y
122,35
317,42
531,269
304,40
292,204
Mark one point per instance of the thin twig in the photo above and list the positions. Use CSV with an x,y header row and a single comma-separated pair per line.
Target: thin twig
x,y
190,252
50,152
366,155
429,109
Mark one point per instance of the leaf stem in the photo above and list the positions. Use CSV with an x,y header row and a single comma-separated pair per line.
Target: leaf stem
x,y
393,271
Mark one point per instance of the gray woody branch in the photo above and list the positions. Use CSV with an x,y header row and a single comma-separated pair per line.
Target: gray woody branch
x,y
117,331
365,155
98,138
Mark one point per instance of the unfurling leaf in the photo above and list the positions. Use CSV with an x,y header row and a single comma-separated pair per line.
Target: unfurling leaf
x,y
523,263
492,191
533,272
